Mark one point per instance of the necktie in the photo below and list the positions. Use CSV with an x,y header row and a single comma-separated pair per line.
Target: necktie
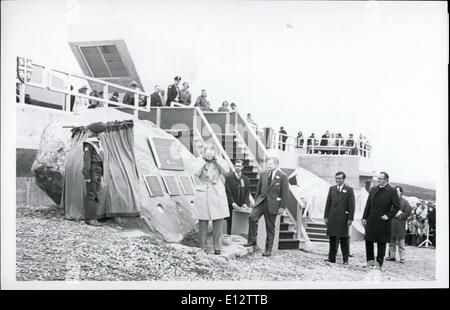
x,y
269,180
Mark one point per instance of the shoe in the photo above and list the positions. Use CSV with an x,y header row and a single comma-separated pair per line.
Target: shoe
x,y
330,261
267,254
249,244
390,259
345,263
371,263
402,261
350,255
216,252
93,223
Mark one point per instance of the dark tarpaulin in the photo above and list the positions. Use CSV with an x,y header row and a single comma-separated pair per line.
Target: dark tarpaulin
x,y
119,197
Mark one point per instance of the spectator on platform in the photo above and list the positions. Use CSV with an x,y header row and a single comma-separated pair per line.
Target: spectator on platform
x,y
93,103
251,121
114,98
185,94
208,107
361,145
325,139
339,140
163,95
129,96
173,91
201,101
310,143
282,139
350,141
431,216
237,187
155,98
398,231
300,140
81,104
224,107
233,107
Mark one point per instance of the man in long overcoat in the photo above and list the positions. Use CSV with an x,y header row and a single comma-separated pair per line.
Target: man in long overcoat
x,y
398,232
382,205
339,211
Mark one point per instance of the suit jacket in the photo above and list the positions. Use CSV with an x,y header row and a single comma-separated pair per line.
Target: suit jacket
x,y
172,93
238,191
339,208
155,100
276,193
381,201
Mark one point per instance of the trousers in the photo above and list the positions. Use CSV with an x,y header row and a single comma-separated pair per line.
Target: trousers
x,y
400,243
334,246
255,215
381,251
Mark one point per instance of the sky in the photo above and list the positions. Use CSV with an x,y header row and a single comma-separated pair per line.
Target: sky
x,y
360,67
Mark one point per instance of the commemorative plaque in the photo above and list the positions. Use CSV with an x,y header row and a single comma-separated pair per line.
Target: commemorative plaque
x,y
153,185
171,183
186,185
166,153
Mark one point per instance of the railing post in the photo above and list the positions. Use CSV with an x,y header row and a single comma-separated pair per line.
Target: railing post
x,y
105,94
136,105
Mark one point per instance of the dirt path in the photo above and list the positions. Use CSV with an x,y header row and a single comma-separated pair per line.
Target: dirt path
x,y
51,248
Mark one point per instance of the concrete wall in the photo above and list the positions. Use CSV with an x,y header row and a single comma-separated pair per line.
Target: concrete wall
x,y
325,166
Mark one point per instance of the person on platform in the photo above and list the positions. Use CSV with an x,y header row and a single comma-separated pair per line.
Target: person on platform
x,y
201,101
211,204
382,205
173,91
325,139
283,138
81,104
398,230
224,107
129,96
310,143
155,98
233,107
339,212
300,140
272,194
114,97
93,171
237,187
185,94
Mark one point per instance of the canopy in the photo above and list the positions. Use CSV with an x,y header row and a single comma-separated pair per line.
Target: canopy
x,y
119,196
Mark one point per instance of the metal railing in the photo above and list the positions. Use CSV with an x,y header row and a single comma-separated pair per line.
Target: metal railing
x,y
47,76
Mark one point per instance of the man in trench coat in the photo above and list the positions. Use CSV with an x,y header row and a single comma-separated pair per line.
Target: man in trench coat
x,y
339,211
382,205
398,232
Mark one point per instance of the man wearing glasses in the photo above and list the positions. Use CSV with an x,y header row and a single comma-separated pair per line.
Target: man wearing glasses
x,y
382,205
339,211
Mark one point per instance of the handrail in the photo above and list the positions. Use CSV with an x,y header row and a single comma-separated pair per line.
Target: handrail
x,y
214,138
48,76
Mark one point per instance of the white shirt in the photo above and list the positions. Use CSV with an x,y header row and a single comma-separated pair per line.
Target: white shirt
x,y
339,188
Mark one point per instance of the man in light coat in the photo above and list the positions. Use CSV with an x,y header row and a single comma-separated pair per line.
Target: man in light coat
x,y
339,211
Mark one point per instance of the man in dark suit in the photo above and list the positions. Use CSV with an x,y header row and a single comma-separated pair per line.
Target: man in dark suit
x,y
237,187
272,194
173,91
382,205
339,211
155,98
283,138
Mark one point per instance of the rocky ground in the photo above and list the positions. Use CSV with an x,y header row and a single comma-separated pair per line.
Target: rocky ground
x,y
52,248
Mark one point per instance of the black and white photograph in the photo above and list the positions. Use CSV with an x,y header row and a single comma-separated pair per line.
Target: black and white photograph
x,y
224,145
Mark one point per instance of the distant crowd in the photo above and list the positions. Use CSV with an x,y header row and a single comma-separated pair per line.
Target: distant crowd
x,y
421,221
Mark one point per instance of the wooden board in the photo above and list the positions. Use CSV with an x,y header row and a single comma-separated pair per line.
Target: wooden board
x,y
166,153
153,185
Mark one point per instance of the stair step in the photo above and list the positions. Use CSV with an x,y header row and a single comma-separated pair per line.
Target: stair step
x,y
318,236
284,226
316,225
316,230
287,234
317,240
288,244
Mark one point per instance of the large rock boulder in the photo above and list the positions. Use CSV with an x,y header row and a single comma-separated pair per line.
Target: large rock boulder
x,y
171,217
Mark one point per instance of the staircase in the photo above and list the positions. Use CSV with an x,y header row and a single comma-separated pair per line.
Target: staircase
x,y
237,149
317,232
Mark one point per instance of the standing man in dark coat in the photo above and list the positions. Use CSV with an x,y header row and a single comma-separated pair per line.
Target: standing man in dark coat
x,y
237,187
283,138
272,194
398,233
173,91
155,98
339,211
93,172
382,205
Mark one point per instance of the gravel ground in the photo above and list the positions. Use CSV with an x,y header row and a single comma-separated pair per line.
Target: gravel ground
x,y
52,248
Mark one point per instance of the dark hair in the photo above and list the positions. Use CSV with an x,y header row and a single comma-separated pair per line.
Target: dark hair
x,y
115,94
341,173
386,176
238,161
399,188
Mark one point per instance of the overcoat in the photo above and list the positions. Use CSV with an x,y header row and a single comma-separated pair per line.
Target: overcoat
x,y
211,203
339,208
399,224
381,201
